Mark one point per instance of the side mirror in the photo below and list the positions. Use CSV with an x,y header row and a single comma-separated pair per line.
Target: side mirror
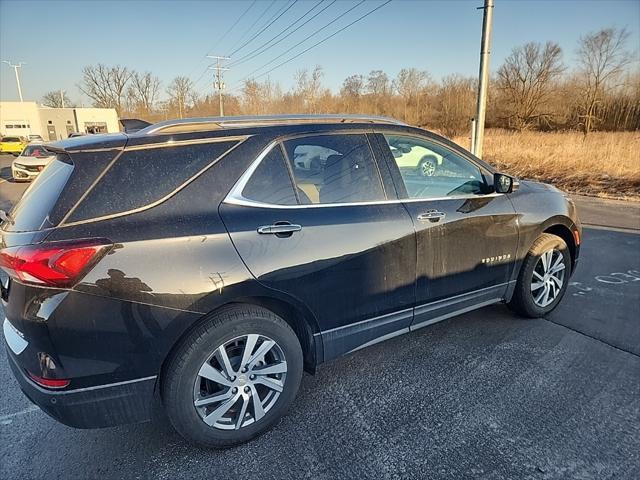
x,y
504,183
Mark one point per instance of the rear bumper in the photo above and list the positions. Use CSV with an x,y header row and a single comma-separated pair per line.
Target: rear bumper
x,y
93,407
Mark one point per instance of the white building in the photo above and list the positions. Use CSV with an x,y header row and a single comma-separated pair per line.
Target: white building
x,y
27,118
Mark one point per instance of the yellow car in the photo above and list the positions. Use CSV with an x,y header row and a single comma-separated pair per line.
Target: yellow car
x,y
12,145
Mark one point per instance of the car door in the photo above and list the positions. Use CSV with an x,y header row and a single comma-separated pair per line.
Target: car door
x,y
325,232
467,235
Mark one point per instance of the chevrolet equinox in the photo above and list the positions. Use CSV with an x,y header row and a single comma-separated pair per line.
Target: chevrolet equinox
x,y
196,264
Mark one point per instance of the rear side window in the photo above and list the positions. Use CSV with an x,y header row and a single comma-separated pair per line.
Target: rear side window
x,y
270,183
334,169
32,212
141,177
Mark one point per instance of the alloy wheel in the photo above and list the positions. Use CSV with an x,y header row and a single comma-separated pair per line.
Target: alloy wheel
x,y
427,168
548,277
240,382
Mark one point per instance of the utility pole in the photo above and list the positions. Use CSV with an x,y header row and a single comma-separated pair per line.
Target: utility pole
x,y
483,80
219,83
15,69
62,98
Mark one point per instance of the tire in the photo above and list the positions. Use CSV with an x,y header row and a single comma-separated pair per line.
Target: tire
x,y
182,384
427,166
529,296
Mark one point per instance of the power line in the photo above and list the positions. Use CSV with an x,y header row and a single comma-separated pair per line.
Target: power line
x,y
248,30
222,38
234,24
324,39
307,38
279,14
251,54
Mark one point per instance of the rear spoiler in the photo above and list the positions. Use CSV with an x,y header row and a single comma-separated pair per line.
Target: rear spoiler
x,y
133,124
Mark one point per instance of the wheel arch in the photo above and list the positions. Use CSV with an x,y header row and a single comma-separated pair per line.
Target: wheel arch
x,y
564,232
303,324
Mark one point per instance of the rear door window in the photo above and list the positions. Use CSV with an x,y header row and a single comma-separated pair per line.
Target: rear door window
x,y
141,177
270,183
334,169
33,210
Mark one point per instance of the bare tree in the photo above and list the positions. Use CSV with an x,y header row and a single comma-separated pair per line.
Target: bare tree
x,y
351,92
105,85
54,99
180,92
143,92
527,79
309,87
603,58
410,83
455,104
379,88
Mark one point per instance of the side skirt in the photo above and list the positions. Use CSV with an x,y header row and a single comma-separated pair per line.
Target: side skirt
x,y
349,338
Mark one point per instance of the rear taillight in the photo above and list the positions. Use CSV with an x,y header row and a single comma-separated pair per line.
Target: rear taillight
x,y
61,264
49,382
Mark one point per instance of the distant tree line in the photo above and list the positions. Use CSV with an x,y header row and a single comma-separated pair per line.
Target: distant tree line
x,y
532,89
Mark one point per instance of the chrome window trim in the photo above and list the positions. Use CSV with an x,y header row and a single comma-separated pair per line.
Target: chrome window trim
x,y
63,223
235,197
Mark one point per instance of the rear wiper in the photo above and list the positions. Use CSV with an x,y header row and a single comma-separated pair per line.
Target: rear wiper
x,y
6,217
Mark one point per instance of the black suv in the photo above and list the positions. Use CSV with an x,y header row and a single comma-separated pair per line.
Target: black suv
x,y
206,263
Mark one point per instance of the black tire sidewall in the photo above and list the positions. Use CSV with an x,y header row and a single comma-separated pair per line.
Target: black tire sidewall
x,y
181,376
523,300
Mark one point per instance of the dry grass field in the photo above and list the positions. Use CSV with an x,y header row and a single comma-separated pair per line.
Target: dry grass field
x,y
604,164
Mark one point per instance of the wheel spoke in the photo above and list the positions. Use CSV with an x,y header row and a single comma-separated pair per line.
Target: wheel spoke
x,y
271,369
536,286
207,371
260,352
545,262
224,360
252,339
545,298
270,383
556,281
258,409
243,411
217,414
538,299
201,402
538,276
557,268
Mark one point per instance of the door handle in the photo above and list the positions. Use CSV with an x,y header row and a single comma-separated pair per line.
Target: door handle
x,y
279,229
433,216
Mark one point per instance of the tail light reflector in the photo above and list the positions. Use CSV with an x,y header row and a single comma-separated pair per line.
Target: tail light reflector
x,y
49,382
60,264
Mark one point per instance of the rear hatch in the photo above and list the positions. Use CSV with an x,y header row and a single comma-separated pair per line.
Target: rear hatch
x,y
52,195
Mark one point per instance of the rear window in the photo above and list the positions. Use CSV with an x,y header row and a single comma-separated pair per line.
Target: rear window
x,y
11,139
141,177
35,151
32,212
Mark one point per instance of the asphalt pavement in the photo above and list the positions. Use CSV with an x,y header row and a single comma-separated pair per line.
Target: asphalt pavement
x,y
484,395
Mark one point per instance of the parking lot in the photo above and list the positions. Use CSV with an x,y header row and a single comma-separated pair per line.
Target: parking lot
x,y
484,395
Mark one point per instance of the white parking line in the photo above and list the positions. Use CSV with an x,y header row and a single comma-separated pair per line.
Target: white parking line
x,y
7,419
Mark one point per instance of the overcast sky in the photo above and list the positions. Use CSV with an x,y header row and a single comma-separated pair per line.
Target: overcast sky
x,y
169,38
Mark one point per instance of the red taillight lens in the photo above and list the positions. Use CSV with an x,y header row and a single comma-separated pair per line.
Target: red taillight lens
x,y
55,264
49,382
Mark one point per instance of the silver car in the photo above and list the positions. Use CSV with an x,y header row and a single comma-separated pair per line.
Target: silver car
x,y
31,162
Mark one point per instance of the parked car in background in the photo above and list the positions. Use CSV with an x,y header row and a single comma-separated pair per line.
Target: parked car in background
x,y
31,162
12,145
415,158
195,262
35,138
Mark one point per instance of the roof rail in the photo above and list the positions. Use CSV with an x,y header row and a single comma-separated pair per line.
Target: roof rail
x,y
186,125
